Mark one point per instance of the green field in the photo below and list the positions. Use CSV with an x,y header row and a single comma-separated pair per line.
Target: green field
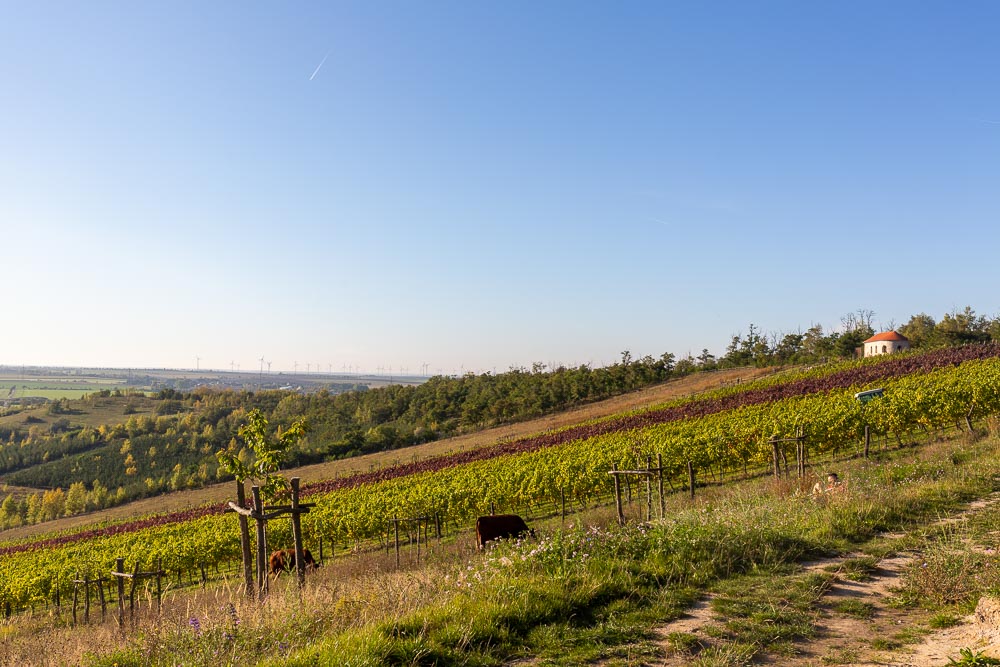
x,y
53,388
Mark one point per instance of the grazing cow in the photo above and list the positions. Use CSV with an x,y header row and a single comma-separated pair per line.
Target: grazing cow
x,y
284,561
498,527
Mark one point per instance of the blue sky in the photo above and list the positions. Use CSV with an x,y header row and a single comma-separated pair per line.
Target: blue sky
x,y
480,185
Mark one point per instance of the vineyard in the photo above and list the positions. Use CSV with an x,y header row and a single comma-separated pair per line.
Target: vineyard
x,y
725,431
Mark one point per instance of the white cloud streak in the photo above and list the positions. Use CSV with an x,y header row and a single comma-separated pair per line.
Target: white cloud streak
x,y
318,67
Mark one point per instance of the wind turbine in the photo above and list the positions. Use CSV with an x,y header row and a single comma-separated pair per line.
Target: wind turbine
x,y
197,363
268,367
262,368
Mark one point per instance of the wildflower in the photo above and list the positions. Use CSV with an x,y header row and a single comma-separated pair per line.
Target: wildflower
x,y
195,626
233,616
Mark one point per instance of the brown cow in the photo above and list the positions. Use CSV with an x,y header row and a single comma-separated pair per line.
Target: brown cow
x,y
284,561
499,527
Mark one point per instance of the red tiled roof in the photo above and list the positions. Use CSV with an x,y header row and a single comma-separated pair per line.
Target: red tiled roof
x,y
887,335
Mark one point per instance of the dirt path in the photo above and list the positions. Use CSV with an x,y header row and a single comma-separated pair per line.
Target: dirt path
x,y
887,637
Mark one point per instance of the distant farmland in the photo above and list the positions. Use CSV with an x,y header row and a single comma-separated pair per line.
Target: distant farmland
x,y
54,388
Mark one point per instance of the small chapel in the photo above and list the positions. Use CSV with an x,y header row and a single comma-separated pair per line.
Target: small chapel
x,y
887,342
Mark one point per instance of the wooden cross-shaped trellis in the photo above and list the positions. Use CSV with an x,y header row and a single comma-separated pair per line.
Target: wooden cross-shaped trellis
x,y
420,522
87,582
648,473
136,576
261,514
778,453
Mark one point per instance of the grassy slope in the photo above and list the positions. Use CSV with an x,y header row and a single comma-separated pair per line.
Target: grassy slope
x,y
112,410
546,603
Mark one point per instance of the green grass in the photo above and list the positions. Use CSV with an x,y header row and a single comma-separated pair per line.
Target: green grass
x,y
856,569
855,608
943,620
54,389
590,595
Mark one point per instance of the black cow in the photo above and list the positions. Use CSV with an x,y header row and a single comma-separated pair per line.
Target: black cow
x,y
499,527
284,561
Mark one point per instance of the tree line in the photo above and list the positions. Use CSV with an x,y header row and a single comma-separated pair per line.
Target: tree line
x,y
759,348
169,441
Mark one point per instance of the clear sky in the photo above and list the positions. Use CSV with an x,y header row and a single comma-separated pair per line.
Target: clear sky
x,y
475,185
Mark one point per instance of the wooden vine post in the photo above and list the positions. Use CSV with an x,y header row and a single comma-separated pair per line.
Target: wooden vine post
x,y
778,453
659,482
775,459
418,522
295,510
261,514
647,473
120,575
649,492
241,500
87,583
618,495
261,525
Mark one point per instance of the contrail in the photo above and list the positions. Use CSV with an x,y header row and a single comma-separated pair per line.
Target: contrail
x,y
319,66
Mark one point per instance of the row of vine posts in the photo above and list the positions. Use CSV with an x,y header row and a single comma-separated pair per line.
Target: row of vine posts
x,y
649,473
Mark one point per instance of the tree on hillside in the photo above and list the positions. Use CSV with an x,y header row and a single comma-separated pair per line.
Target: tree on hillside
x,y
815,344
960,328
920,330
269,454
76,498
788,349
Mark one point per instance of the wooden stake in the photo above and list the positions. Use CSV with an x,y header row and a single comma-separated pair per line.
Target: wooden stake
x,y
649,493
395,528
120,586
86,599
300,564
248,584
76,590
618,496
159,592
659,482
258,508
691,479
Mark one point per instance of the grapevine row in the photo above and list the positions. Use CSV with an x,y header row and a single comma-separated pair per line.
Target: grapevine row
x,y
843,375
577,468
